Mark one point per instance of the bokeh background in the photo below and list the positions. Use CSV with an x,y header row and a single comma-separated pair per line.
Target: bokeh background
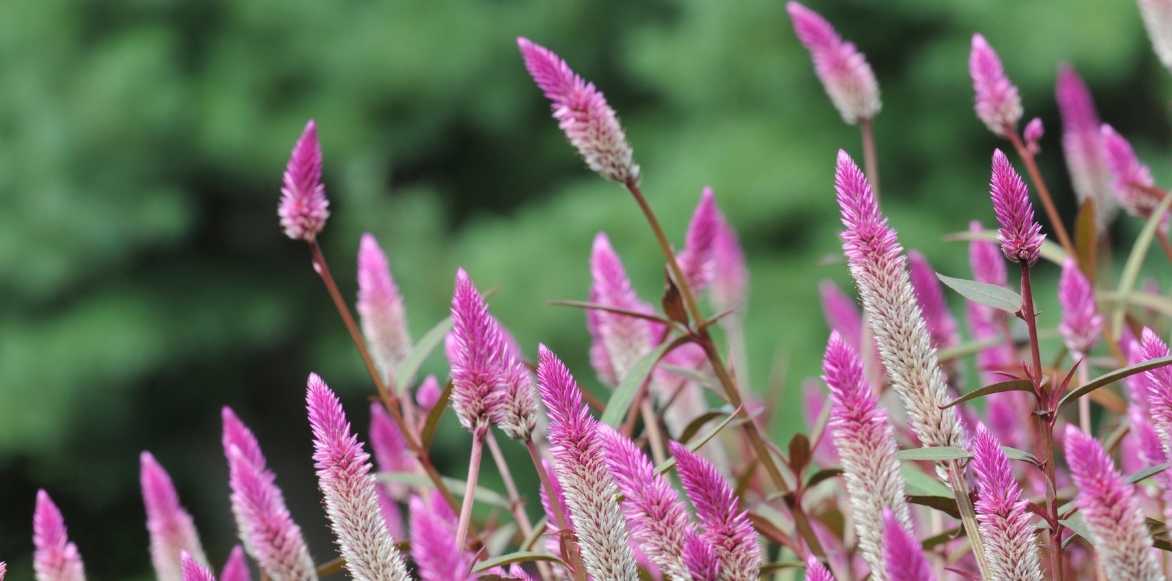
x,y
145,281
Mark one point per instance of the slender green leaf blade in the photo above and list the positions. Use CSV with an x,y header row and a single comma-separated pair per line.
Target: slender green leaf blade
x,y
933,454
1135,260
1010,385
511,558
405,374
1112,377
1146,473
620,401
433,417
989,295
922,484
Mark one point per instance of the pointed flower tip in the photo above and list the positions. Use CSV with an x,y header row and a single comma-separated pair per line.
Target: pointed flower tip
x,y
843,70
54,556
380,307
1132,179
1021,236
996,99
304,207
476,356
697,258
1034,131
193,571
903,553
842,316
726,524
236,569
816,571
429,393
1081,321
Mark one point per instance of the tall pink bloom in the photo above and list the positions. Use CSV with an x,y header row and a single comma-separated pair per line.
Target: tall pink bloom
x,y
841,314
903,555
941,324
236,569
696,259
516,415
843,70
348,488
304,207
192,570
619,340
866,445
55,558
1159,384
1082,145
433,545
997,102
390,455
730,279
1132,179
1111,511
656,517
1004,519
582,113
1081,321
475,357
171,529
1157,17
879,268
1021,235
816,571
3,570
263,521
581,469
725,523
380,308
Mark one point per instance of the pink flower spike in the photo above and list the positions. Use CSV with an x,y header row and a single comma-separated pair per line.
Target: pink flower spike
x,y
380,308
843,70
1132,179
816,571
1159,385
516,415
192,570
726,524
1021,235
236,569
1034,130
1111,511
304,207
696,259
433,547
730,281
429,393
581,470
1157,17
703,564
904,556
997,102
348,489
54,557
1002,513
941,325
1082,145
171,529
582,113
236,434
1081,321
841,313
3,570
390,449
618,341
475,358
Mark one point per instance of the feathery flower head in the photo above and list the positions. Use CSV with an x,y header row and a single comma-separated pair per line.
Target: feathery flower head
x,y
55,558
941,324
702,562
1002,513
657,519
1082,145
1159,386
696,259
816,571
725,522
1132,179
516,415
429,393
477,345
236,434
236,569
581,470
304,207
879,268
348,488
842,316
433,541
1157,17
997,102
1034,130
1110,510
192,570
390,449
3,570
618,340
984,259
730,278
1021,235
903,555
582,113
1081,321
843,70
380,308
171,529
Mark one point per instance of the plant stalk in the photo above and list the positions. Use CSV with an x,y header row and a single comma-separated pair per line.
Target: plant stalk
x,y
478,436
573,556
515,502
870,156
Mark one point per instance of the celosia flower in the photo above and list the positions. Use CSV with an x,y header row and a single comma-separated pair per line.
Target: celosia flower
x,y
1082,145
262,520
1132,179
304,207
380,308
843,70
390,455
1111,511
3,570
581,469
192,570
433,541
475,357
619,340
866,445
842,316
516,415
348,489
1157,17
171,529
725,524
1002,513
879,268
582,113
701,559
429,393
1159,384
997,102
941,325
696,259
236,569
904,556
816,571
1034,130
730,278
1081,321
813,401
655,516
1021,235
55,558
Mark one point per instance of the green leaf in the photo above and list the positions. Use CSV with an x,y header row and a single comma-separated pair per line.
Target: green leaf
x,y
1146,473
1011,385
922,484
1135,260
667,464
405,374
1078,525
933,454
780,566
823,474
1022,455
1158,303
945,505
1050,250
989,295
698,422
433,417
1112,377
538,530
620,401
517,557
454,484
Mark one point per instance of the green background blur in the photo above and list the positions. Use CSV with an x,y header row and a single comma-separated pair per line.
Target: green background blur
x,y
145,281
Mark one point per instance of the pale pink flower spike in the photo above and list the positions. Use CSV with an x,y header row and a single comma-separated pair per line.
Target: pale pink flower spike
x,y
55,558
843,70
996,100
172,532
304,207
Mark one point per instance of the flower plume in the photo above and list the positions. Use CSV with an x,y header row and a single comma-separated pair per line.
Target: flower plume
x,y
55,558
843,70
702,561
696,259
904,557
1002,513
1021,235
475,356
1081,321
1159,386
380,307
236,569
171,529
730,278
433,541
304,207
1082,145
842,316
617,341
1132,179
816,571
997,102
516,414
941,324
192,570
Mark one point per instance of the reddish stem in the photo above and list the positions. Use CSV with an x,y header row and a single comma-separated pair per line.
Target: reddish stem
x,y
470,486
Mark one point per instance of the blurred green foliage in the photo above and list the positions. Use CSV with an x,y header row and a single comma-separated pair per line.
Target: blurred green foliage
x,y
146,282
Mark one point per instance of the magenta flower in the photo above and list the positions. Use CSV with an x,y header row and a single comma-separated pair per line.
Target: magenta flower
x,y
697,257
1157,17
433,546
701,559
304,207
348,488
1021,235
390,455
475,357
997,102
1111,511
725,524
582,113
1132,179
1003,514
903,555
429,393
192,570
3,570
581,469
842,316
1082,144
380,308
655,516
1034,130
843,70
1081,321
1159,384
941,325
236,569
55,558
171,529
618,341
516,415
816,571
730,278
879,268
